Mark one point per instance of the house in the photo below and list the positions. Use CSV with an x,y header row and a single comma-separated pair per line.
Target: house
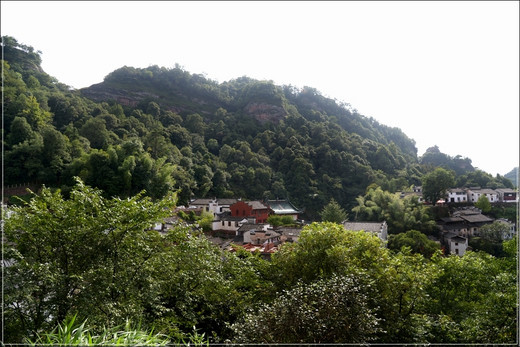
x,y
247,227
200,204
283,208
474,193
457,245
214,206
377,228
228,224
455,225
289,234
262,237
507,195
473,218
464,222
419,196
456,195
254,209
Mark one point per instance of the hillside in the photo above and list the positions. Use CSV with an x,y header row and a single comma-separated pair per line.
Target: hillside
x,y
160,129
513,176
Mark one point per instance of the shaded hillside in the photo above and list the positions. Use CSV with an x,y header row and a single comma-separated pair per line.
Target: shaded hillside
x,y
513,176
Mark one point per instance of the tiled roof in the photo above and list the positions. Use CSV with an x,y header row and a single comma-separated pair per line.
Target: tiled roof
x,y
455,219
226,201
457,239
257,205
476,218
366,226
199,202
506,190
248,227
282,207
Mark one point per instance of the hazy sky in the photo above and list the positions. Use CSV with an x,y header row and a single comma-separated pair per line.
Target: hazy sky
x,y
446,73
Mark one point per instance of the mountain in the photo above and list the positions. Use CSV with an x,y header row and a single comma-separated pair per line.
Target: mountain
x,y
513,176
161,129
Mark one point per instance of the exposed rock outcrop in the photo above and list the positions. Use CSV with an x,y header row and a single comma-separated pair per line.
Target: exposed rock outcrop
x,y
264,112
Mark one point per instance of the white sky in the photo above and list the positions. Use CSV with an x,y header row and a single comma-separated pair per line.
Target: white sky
x,y
446,73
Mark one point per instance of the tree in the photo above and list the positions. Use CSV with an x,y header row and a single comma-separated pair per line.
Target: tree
x,y
415,240
86,254
333,213
401,215
276,220
333,310
483,204
435,184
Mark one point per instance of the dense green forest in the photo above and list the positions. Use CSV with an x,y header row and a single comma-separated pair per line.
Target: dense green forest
x,y
165,130
114,158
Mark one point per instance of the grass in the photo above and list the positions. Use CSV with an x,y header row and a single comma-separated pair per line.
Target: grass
x,y
70,333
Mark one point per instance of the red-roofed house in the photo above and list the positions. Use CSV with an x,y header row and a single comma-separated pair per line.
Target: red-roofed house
x,y
250,209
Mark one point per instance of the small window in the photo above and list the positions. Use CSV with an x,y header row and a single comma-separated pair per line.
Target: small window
x,y
229,223
456,243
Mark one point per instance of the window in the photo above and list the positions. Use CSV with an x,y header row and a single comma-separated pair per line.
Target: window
x,y
456,243
229,223
456,251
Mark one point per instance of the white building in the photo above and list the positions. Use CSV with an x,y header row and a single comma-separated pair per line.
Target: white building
x,y
379,229
475,193
457,245
456,195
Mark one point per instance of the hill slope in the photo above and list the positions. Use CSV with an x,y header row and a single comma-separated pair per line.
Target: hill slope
x,y
162,129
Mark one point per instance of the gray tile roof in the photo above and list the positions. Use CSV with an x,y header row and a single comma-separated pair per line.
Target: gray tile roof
x,y
257,205
476,218
366,226
282,207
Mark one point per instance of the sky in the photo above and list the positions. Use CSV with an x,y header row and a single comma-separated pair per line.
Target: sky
x,y
445,72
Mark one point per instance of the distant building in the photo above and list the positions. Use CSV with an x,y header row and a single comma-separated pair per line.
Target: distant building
x,y
254,209
377,228
474,193
456,195
507,195
457,245
283,208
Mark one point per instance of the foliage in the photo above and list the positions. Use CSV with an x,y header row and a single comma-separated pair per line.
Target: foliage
x,y
333,213
415,240
71,333
99,258
435,158
276,220
483,204
333,310
401,215
435,184
86,254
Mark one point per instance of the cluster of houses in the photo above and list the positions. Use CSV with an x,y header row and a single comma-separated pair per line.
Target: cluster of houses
x,y
470,195
245,223
465,222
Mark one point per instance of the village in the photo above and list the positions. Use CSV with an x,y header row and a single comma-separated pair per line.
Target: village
x,y
238,222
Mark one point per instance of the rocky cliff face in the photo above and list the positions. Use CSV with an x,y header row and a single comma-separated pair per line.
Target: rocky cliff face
x,y
264,112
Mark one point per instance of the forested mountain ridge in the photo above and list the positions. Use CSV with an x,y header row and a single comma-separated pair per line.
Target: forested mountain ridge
x,y
163,129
